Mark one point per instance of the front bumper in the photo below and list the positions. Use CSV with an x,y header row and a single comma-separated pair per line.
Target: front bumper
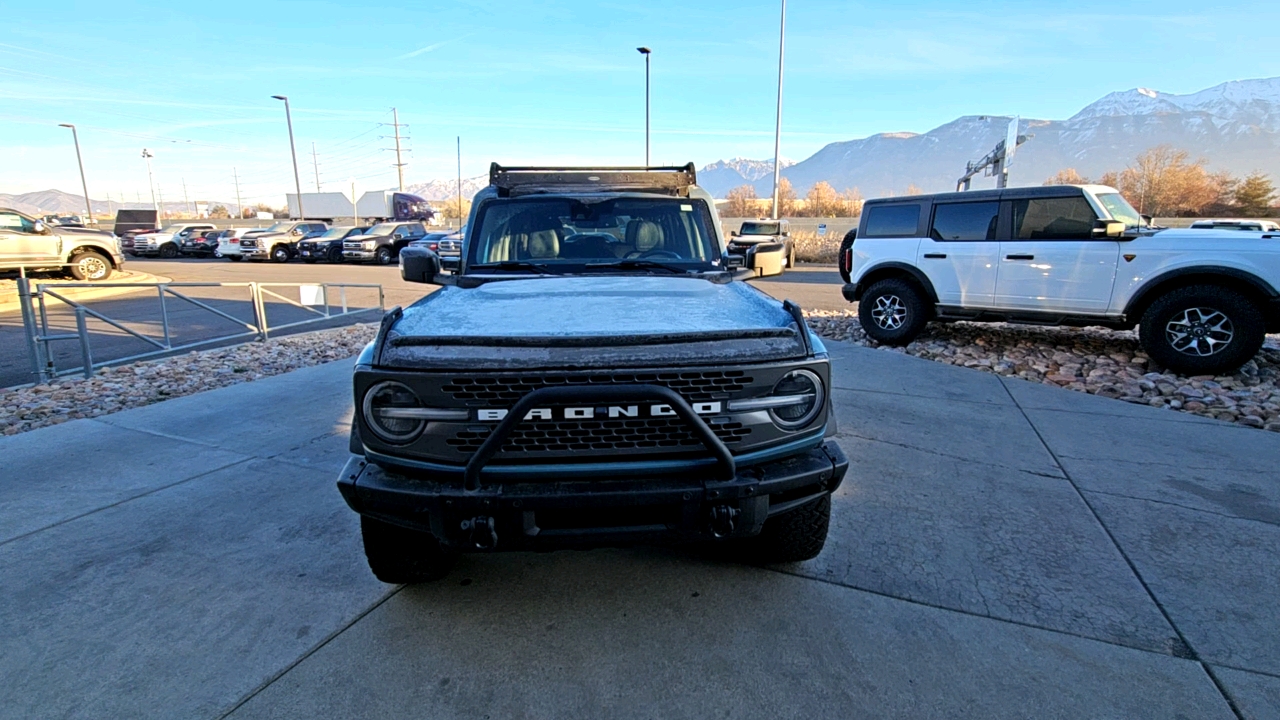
x,y
359,255
605,510
254,253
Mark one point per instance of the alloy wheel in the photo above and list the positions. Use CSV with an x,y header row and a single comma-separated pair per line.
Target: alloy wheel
x,y
1199,331
92,267
889,312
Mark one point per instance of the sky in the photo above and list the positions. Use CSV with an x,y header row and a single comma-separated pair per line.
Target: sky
x,y
537,82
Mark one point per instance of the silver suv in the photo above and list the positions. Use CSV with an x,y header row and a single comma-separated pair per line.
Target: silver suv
x,y
27,243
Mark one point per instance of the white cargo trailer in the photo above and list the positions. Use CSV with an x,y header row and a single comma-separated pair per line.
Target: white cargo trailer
x,y
321,206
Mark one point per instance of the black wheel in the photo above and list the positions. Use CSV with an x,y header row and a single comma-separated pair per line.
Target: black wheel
x,y
235,258
1202,330
168,251
384,256
791,537
845,244
893,311
279,254
789,256
335,255
399,555
90,266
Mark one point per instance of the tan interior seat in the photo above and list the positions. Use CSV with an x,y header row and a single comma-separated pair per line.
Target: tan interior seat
x,y
644,236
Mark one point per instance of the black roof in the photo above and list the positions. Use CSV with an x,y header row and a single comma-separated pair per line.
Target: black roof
x,y
521,180
1035,191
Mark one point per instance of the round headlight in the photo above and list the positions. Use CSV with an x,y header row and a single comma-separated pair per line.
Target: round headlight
x,y
384,406
806,389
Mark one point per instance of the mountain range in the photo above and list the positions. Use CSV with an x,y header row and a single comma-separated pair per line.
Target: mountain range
x,y
1234,126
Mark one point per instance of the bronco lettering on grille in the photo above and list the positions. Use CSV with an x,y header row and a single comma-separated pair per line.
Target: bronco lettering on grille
x,y
610,411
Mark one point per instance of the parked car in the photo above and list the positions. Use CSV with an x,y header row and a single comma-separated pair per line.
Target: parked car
x,y
445,243
203,245
683,406
1072,255
382,243
229,242
327,247
769,244
1229,224
167,241
30,244
279,242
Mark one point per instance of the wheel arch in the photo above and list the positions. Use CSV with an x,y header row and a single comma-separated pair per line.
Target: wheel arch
x,y
1250,285
101,252
889,270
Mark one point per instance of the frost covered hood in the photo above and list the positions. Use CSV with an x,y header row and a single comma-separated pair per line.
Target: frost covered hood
x,y
592,320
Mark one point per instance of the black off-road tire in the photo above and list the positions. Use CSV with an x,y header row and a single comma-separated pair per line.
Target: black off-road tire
x,y
845,244
791,537
893,311
279,254
89,266
399,555
384,256
1244,320
168,251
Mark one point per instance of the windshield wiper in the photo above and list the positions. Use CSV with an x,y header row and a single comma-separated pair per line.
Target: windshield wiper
x,y
640,263
517,265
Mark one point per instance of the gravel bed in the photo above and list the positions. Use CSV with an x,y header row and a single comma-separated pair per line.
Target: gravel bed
x,y
1093,360
144,383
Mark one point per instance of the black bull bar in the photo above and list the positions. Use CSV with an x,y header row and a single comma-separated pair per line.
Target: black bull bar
x,y
725,466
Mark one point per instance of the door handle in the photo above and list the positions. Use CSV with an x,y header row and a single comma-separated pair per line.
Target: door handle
x,y
935,256
1019,257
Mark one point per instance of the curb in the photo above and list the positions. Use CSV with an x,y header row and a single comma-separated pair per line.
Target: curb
x,y
9,300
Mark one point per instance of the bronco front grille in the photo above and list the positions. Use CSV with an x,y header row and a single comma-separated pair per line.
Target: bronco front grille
x,y
694,386
632,434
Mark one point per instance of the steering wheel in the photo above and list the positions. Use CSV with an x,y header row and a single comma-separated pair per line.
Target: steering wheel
x,y
655,254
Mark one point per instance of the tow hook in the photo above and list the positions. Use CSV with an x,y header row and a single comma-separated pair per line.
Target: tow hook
x,y
483,534
722,520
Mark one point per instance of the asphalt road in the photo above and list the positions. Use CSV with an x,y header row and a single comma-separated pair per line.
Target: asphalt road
x,y
813,287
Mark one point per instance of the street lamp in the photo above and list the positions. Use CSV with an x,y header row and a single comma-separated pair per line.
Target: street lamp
x,y
146,155
297,181
777,133
83,185
646,52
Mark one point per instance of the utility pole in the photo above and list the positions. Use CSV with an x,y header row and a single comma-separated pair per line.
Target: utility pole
x,y
777,133
83,185
395,123
355,208
297,183
185,200
316,164
146,155
161,194
646,52
459,181
239,208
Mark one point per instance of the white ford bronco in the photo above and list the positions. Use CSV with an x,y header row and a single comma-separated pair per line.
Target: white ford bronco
x,y
1074,255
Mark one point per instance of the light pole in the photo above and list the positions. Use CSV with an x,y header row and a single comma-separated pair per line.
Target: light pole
x,y
83,185
297,181
146,155
646,52
777,133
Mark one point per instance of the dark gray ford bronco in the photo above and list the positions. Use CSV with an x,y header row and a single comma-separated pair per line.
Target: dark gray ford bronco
x,y
592,372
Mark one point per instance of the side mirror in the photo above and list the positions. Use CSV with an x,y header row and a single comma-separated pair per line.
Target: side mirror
x,y
1109,228
419,265
450,264
1147,220
397,236
733,233
734,262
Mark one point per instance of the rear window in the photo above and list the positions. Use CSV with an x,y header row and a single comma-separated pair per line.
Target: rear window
x,y
965,221
1068,218
892,221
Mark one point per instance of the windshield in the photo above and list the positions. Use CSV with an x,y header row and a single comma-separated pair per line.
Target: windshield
x,y
381,229
754,228
280,227
335,232
1120,209
577,231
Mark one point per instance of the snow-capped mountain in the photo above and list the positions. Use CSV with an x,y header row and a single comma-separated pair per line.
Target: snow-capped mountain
x,y
721,176
440,190
1234,126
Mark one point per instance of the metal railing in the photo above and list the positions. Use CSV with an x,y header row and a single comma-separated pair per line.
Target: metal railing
x,y
35,317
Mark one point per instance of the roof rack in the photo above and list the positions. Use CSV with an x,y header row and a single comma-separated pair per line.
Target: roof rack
x,y
673,180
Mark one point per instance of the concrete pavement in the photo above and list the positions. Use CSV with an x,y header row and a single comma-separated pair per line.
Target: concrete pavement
x,y
1000,549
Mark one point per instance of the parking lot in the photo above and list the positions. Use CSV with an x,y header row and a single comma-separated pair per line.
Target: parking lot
x,y
999,549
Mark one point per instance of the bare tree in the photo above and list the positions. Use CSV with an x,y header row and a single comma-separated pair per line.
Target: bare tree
x,y
786,199
851,203
822,201
1162,181
742,202
1067,177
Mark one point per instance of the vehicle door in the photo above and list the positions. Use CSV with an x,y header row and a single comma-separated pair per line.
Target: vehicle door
x,y
20,242
1054,260
960,254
